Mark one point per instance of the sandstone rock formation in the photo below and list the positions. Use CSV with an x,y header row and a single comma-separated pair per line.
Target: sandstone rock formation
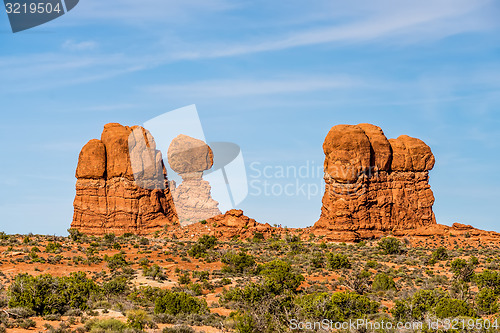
x,y
374,185
121,184
226,226
189,157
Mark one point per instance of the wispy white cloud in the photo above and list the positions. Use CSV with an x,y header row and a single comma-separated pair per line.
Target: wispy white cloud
x,y
71,45
248,87
380,21
148,11
404,21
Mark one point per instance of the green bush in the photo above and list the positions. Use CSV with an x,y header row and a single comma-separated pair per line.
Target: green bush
x,y
258,236
105,326
116,261
245,324
46,294
200,248
338,261
453,308
53,247
440,254
371,264
488,279
196,289
237,262
421,303
383,282
116,286
339,306
487,301
175,303
179,328
26,323
279,276
184,279
390,245
251,294
462,269
138,319
109,238
154,272
317,260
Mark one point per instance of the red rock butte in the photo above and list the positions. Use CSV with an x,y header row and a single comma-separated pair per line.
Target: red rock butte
x,y
121,184
374,185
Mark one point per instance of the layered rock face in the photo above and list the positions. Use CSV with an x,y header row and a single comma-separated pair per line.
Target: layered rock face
x,y
189,157
374,185
121,184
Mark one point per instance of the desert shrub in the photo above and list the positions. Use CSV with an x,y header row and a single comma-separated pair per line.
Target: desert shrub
x,y
245,323
53,247
237,262
175,303
453,308
52,317
390,245
339,306
184,279
196,289
201,275
46,294
279,276
488,279
200,248
179,328
460,289
371,264
139,319
258,236
440,254
462,269
26,323
20,312
154,272
251,294
383,282
109,238
338,261
145,296
487,301
105,326
317,260
118,260
359,281
164,318
421,303
117,286
75,235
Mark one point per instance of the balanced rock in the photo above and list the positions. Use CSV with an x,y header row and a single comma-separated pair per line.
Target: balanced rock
x,y
121,184
189,157
375,185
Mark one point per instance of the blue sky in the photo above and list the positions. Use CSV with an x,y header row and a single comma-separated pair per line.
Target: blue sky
x,y
271,76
